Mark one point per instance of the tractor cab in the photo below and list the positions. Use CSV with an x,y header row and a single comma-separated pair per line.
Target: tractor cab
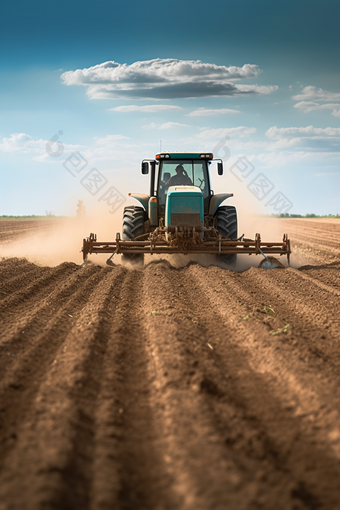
x,y
174,170
182,172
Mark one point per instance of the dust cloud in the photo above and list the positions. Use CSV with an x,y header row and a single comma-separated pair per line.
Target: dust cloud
x,y
63,240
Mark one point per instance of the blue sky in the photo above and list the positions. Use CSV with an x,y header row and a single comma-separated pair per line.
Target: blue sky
x,y
261,78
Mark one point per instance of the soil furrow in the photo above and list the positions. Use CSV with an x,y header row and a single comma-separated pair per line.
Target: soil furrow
x,y
326,274
304,393
60,413
164,389
40,309
12,284
37,288
314,307
128,438
233,389
13,265
33,356
24,338
194,449
335,290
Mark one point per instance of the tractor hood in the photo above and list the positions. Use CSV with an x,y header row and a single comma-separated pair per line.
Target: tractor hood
x,y
184,207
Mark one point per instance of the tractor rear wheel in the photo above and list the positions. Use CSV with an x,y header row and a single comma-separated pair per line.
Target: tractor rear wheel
x,y
226,224
133,226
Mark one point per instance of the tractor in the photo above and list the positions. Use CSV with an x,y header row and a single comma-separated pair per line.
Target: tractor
x,y
181,214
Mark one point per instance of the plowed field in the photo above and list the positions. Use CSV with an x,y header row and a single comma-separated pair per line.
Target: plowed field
x,y
160,388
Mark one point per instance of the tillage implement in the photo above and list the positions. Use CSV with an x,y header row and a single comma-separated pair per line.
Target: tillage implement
x,y
182,215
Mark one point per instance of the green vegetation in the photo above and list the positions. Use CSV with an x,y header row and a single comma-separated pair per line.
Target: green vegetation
x,y
296,249
281,330
309,215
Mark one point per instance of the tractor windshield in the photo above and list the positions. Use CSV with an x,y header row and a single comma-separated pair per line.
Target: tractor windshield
x,y
182,173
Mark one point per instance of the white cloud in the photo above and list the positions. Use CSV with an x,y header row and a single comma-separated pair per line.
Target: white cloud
x,y
304,139
21,142
165,79
147,108
246,146
26,144
219,133
256,89
165,125
309,106
311,93
274,159
152,125
311,98
276,133
110,139
171,125
101,148
205,112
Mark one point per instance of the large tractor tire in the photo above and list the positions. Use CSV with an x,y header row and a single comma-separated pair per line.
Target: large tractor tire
x,y
133,226
226,224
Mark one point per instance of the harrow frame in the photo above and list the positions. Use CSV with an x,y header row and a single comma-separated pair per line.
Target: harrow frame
x,y
160,244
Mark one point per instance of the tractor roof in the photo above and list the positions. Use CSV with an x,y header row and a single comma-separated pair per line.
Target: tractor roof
x,y
184,155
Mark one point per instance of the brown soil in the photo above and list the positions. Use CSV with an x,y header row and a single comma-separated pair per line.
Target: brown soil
x,y
11,230
163,388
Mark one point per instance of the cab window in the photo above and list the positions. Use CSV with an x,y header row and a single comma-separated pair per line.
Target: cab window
x,y
190,173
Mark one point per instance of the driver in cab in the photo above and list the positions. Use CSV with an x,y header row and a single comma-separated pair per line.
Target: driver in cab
x,y
181,178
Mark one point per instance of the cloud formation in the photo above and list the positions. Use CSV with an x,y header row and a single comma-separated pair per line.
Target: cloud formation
x,y
166,125
307,138
308,132
165,79
237,132
110,139
21,142
205,112
26,144
309,106
171,125
311,93
313,98
150,108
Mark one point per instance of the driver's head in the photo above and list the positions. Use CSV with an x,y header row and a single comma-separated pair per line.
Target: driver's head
x,y
179,169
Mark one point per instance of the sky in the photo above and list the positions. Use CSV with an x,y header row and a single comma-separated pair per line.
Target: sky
x,y
94,87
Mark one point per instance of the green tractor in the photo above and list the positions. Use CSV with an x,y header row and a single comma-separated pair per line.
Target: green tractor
x,y
182,215
180,197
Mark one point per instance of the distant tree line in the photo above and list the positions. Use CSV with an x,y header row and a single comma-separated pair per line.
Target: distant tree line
x,y
309,215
